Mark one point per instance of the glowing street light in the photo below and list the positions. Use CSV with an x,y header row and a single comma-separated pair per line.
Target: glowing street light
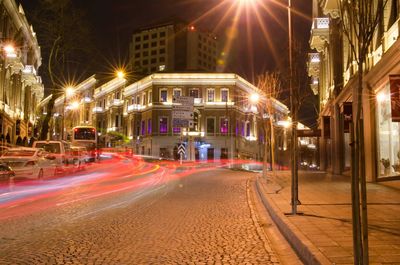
x,y
254,98
74,105
120,74
69,91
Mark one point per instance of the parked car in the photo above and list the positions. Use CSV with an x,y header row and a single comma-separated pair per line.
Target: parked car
x,y
29,162
61,150
6,172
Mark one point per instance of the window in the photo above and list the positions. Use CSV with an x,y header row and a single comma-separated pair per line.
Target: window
x,y
224,125
145,37
237,128
149,126
177,92
210,95
224,95
176,130
145,53
150,99
117,95
162,34
137,54
143,127
154,44
145,45
138,100
154,35
194,93
242,128
137,63
154,52
162,51
163,125
161,59
137,47
162,42
248,129
210,125
145,62
137,38
116,120
132,100
153,60
144,99
163,95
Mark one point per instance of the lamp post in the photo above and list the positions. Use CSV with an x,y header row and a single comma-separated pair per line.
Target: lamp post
x,y
68,92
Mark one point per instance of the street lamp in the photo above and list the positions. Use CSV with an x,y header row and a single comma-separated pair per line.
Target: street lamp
x,y
68,92
254,98
120,74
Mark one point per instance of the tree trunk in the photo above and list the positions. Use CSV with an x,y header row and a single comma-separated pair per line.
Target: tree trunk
x,y
45,126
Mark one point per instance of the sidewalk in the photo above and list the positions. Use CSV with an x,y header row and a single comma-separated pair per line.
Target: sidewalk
x,y
323,233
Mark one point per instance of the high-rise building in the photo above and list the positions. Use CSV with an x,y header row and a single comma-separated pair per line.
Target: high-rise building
x,y
173,46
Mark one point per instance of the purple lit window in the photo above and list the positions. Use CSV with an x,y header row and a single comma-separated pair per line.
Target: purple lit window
x,y
242,128
224,95
143,127
163,96
224,125
237,128
210,95
163,125
176,129
149,126
248,129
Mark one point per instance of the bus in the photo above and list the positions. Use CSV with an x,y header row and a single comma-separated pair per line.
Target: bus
x,y
86,136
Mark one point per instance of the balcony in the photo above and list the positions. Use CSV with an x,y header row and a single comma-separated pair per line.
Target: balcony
x,y
313,64
98,110
391,36
134,107
314,85
116,102
319,33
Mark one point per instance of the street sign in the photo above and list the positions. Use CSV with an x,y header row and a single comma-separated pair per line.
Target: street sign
x,y
180,123
184,115
181,149
182,111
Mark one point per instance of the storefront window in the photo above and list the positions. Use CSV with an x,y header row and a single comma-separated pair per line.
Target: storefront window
x,y
388,134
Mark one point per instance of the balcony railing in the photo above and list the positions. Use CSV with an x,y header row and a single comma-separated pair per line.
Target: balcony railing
x,y
391,35
98,110
319,33
116,102
313,64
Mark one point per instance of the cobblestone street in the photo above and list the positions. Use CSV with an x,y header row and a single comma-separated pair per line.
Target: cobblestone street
x,y
205,218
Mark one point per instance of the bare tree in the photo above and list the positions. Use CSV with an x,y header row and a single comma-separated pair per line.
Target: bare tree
x,y
65,41
359,20
269,84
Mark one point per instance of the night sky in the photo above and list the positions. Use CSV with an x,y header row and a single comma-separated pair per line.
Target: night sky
x,y
112,23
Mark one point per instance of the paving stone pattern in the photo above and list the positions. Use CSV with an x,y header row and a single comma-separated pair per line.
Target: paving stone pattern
x,y
202,219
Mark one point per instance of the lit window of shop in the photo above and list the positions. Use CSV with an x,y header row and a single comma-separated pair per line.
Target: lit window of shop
x,y
176,130
388,134
194,93
163,125
177,92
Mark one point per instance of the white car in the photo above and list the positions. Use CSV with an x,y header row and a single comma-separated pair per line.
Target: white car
x,y
29,162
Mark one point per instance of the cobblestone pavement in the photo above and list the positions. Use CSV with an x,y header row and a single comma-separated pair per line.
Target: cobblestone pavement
x,y
202,219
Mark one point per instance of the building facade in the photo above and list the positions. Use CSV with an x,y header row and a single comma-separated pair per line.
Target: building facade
x,y
173,46
333,71
21,88
225,126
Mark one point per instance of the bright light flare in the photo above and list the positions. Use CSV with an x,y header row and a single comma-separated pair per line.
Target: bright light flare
x,y
382,97
75,105
120,74
254,98
69,91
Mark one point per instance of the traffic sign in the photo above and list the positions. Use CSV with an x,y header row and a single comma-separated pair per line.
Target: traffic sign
x,y
181,149
184,115
186,101
180,122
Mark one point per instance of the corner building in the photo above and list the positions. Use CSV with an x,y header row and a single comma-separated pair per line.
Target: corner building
x,y
21,88
333,73
226,125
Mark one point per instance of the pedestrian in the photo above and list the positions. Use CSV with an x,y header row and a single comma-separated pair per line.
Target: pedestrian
x,y
8,138
25,141
31,140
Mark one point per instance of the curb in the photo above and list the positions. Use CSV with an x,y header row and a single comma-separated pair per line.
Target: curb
x,y
307,252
